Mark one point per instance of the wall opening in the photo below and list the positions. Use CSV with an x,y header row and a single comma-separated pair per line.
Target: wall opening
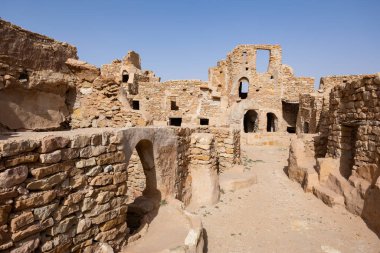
x,y
143,190
289,114
271,122
125,76
291,130
262,60
244,57
23,77
348,148
243,88
251,121
135,105
173,105
306,127
203,122
175,121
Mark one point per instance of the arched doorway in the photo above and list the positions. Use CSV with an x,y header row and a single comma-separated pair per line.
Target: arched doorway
x,y
271,122
243,88
142,185
251,121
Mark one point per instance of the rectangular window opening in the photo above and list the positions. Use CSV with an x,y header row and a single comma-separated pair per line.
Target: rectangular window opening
x,y
136,105
173,106
203,122
262,61
175,121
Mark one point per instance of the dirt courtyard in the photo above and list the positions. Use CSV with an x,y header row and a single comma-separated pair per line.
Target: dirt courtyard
x,y
275,215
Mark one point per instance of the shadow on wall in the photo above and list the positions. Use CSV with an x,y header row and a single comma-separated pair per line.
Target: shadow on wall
x,y
35,110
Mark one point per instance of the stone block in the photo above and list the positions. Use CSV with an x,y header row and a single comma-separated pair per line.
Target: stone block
x,y
102,180
51,143
33,229
35,200
110,158
13,176
21,159
44,212
326,166
27,246
42,172
85,163
47,183
80,141
22,220
52,157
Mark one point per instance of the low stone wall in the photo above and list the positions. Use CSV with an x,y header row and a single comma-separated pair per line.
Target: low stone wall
x,y
66,191
61,191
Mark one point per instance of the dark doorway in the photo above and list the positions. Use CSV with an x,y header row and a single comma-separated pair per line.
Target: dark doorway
x,y
125,77
175,121
173,105
203,122
136,105
251,122
243,88
348,148
289,114
306,127
271,122
144,193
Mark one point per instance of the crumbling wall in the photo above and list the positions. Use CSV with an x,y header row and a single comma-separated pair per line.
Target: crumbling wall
x,y
266,90
33,80
349,174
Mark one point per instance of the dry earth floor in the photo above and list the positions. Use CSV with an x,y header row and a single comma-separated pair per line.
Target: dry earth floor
x,y
275,215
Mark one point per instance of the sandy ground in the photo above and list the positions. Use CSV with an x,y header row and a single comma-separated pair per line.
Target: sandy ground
x,y
275,215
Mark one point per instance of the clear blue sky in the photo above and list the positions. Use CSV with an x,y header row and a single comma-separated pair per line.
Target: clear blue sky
x,y
181,39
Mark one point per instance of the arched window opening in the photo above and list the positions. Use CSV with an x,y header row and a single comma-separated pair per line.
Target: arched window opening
x,y
243,88
125,77
251,121
271,122
142,187
306,127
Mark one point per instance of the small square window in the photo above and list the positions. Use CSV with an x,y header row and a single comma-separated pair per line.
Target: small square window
x,y
173,106
203,122
175,121
136,105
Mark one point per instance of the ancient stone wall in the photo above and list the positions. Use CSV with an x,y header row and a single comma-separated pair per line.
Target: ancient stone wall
x,y
61,190
33,80
347,147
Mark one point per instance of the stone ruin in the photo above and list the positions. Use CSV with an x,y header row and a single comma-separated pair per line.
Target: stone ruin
x,y
336,154
88,154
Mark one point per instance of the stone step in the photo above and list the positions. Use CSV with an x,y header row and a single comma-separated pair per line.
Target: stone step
x,y
328,197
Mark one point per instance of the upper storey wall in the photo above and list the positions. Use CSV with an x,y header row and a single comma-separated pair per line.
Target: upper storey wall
x,y
276,83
